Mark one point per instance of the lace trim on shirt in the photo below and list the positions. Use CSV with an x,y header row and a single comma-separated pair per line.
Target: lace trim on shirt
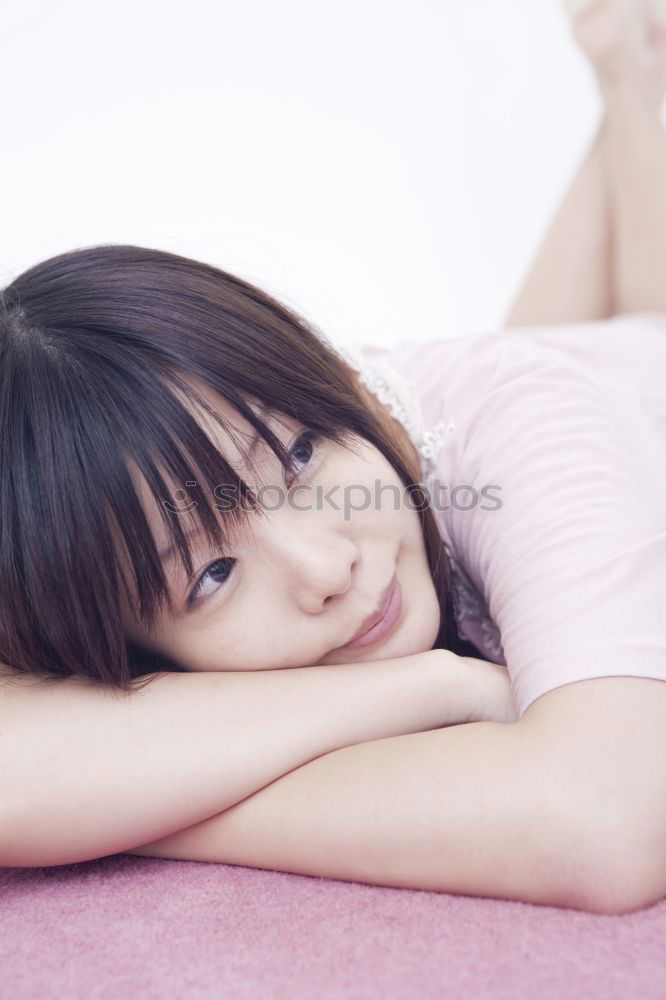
x,y
399,395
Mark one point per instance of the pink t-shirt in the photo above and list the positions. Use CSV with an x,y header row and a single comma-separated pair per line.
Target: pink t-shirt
x,y
552,443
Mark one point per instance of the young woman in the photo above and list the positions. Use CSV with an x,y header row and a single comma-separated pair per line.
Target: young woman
x,y
254,586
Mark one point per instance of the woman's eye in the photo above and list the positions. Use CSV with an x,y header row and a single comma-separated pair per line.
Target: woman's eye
x,y
218,572
220,568
303,449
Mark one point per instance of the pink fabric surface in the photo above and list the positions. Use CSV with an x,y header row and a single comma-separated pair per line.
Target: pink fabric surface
x,y
151,928
566,425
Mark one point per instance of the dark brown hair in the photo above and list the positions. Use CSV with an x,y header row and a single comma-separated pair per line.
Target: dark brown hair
x,y
92,345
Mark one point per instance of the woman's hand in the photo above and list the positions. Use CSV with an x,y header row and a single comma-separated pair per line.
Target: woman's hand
x,y
496,702
483,691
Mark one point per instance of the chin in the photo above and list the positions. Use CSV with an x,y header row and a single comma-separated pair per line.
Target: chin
x,y
420,642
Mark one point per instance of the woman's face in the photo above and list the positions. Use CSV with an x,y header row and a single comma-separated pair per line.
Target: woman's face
x,y
300,580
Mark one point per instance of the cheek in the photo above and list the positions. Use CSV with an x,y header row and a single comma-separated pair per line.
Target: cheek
x,y
217,646
238,643
371,487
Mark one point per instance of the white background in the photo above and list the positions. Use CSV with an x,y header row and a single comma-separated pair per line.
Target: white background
x,y
387,167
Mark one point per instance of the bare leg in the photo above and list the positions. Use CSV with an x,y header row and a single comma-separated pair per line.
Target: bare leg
x,y
632,78
605,250
571,279
637,170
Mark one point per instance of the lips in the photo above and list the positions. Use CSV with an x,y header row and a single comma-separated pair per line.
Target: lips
x,y
376,615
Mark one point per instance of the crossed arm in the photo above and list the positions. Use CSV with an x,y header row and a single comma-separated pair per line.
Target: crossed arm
x,y
463,809
549,810
348,773
89,771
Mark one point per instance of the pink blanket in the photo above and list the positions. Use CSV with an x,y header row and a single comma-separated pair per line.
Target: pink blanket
x,y
151,928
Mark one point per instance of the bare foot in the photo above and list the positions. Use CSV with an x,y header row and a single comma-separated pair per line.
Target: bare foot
x,y
625,41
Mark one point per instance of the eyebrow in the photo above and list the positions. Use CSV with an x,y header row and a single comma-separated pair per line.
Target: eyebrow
x,y
168,553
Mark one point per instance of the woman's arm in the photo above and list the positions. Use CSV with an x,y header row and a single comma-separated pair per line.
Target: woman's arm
x,y
472,809
552,809
88,771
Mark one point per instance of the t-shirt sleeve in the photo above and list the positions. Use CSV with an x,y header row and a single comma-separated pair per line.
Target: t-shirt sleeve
x,y
570,552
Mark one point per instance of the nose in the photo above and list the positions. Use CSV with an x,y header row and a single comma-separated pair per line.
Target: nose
x,y
314,564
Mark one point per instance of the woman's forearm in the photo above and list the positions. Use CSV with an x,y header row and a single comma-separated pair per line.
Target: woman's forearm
x,y
477,809
88,771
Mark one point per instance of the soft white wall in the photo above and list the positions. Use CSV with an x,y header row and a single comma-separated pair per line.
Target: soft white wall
x,y
385,166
